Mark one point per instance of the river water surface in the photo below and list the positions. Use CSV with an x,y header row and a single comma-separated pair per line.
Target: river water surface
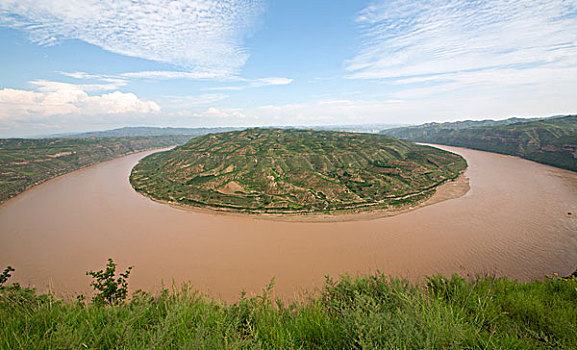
x,y
519,219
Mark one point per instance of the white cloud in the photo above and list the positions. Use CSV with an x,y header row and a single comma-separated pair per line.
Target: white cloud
x,y
242,83
468,59
57,99
183,102
271,81
407,38
328,111
116,80
199,75
50,86
118,103
322,112
254,83
393,111
228,113
204,36
82,75
538,82
211,116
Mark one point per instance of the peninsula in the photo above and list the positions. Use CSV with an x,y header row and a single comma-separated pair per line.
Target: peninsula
x,y
280,171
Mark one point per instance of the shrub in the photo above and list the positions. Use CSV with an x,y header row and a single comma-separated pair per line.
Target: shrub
x,y
112,290
5,275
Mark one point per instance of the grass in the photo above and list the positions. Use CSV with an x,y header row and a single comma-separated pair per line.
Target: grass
x,y
371,312
294,171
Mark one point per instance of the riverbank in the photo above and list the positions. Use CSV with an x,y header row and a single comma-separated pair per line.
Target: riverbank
x,y
296,173
26,163
85,167
450,189
369,312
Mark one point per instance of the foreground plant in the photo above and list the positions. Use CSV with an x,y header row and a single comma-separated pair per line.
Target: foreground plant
x,y
5,275
370,312
111,290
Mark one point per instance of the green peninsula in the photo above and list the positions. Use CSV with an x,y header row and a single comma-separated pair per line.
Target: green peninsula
x,y
295,171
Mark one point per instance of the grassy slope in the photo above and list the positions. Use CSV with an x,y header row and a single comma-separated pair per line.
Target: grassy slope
x,y
280,171
374,312
26,162
548,141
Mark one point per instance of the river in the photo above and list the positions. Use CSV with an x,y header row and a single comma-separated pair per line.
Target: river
x,y
519,219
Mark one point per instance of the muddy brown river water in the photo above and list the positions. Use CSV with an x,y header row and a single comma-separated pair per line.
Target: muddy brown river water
x,y
514,221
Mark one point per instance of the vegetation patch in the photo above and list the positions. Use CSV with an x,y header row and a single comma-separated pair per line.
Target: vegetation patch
x,y
551,141
371,312
295,171
28,162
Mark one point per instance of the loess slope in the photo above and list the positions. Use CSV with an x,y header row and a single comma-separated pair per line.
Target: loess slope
x,y
291,171
28,162
551,141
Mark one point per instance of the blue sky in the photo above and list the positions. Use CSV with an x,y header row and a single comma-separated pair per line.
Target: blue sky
x,y
89,65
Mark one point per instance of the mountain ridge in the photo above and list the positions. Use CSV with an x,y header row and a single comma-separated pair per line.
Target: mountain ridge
x,y
551,141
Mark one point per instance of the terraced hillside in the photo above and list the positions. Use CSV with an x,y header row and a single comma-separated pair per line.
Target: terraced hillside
x,y
429,129
26,162
289,171
551,141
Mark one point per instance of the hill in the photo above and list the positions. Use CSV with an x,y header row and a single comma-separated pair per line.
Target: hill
x,y
551,141
423,130
149,131
292,171
137,131
27,162
363,128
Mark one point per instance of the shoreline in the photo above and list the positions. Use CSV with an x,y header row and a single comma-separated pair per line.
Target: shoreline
x,y
450,189
517,229
82,168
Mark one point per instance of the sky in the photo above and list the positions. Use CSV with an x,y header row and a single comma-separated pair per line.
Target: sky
x,y
70,66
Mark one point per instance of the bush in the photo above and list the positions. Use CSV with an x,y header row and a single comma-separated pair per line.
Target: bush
x,y
5,275
112,290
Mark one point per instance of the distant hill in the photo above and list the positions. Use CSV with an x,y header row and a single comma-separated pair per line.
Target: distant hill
x,y
149,131
551,141
427,129
363,128
166,131
295,171
28,162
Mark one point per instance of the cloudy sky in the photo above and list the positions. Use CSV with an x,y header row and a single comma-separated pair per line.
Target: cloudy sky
x,y
97,64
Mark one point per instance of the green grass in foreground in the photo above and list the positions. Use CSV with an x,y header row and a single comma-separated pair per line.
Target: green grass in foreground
x,y
373,312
